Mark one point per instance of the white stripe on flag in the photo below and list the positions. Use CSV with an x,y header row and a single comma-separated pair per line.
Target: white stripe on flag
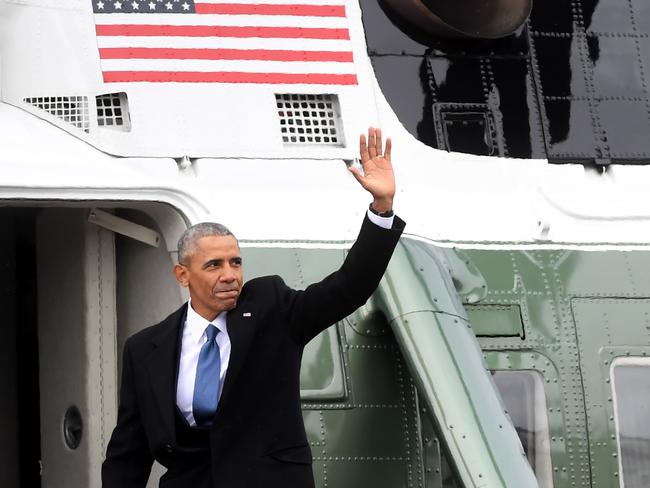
x,y
222,20
226,43
237,66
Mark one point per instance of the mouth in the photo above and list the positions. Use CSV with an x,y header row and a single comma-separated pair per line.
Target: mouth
x,y
226,293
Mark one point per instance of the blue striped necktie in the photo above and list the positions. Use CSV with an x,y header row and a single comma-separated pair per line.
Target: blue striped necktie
x,y
206,384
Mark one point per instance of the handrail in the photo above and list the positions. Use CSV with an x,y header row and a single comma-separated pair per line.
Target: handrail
x,y
420,302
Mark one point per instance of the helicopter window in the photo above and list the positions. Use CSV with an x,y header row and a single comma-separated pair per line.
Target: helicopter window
x,y
523,395
631,385
322,374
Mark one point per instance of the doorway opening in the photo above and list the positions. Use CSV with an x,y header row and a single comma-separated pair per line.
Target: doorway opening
x,y
71,292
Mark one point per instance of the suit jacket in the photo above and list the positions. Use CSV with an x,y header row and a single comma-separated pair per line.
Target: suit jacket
x,y
258,436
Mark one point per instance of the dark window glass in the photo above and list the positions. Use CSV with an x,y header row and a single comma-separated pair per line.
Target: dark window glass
x,y
523,396
631,385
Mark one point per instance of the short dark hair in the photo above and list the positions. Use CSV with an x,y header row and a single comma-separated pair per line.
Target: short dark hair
x,y
187,241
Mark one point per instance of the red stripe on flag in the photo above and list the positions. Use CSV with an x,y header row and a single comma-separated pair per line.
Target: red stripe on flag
x,y
222,31
229,77
271,9
225,54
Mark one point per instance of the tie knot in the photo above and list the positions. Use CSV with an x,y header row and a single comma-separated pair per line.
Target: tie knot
x,y
211,331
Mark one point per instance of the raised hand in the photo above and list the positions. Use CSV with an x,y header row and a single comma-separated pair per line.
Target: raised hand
x,y
377,177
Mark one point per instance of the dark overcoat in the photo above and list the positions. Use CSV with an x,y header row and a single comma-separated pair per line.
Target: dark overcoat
x,y
258,437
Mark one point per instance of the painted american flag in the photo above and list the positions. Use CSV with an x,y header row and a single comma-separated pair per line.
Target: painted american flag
x,y
224,41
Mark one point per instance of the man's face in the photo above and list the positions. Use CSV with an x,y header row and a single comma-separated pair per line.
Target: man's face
x,y
213,274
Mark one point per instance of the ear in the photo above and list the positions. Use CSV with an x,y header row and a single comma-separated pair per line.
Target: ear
x,y
182,275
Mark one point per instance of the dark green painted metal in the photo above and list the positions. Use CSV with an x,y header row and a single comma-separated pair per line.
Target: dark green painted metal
x,y
322,376
371,435
432,454
423,266
526,360
607,328
580,310
369,320
496,320
446,363
466,276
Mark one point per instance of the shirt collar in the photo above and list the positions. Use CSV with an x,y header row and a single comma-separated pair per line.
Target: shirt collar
x,y
195,325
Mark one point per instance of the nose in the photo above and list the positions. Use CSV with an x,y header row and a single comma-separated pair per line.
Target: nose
x,y
228,274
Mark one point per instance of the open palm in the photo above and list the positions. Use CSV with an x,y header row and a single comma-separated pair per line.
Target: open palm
x,y
377,177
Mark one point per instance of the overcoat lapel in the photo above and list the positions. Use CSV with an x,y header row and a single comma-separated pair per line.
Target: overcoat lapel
x,y
162,365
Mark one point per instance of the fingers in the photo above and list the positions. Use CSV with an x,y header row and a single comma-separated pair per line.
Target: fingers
x,y
372,147
372,143
378,146
363,149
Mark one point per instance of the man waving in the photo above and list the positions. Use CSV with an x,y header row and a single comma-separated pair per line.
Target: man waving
x,y
212,392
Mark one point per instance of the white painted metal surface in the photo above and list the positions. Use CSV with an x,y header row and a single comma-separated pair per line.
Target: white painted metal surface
x,y
124,227
214,151
242,175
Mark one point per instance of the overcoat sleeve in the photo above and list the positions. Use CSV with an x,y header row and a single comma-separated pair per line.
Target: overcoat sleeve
x,y
342,292
128,459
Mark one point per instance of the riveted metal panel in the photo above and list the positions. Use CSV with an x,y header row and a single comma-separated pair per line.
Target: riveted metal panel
x,y
571,85
495,320
368,431
549,346
543,365
607,328
374,433
610,273
580,310
444,359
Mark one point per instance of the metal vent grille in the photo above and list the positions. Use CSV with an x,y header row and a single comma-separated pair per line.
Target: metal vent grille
x,y
309,119
113,111
73,109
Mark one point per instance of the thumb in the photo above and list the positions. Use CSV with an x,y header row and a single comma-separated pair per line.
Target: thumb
x,y
356,173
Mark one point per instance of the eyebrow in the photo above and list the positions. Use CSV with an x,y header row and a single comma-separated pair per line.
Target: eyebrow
x,y
218,262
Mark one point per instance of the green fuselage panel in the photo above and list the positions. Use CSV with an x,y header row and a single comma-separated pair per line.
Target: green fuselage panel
x,y
566,314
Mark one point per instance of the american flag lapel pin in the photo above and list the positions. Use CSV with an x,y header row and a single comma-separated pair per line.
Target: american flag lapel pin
x,y
246,314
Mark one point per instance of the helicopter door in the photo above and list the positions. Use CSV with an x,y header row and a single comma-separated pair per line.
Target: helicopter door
x,y
76,335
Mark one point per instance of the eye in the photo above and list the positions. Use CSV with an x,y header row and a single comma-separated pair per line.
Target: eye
x,y
212,265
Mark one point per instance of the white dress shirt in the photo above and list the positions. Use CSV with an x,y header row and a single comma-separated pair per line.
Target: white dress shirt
x,y
194,337
385,222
